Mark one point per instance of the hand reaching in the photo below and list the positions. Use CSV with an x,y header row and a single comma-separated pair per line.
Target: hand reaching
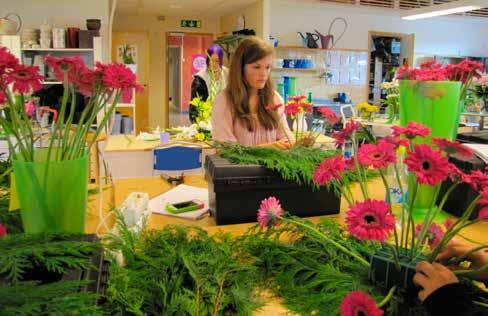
x,y
431,277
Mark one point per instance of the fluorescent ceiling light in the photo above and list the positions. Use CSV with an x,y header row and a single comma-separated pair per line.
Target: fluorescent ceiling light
x,y
444,9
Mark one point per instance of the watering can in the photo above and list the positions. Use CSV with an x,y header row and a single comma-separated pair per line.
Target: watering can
x,y
309,40
327,41
10,27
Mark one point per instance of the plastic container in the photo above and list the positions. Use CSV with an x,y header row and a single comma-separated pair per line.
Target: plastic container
x,y
117,127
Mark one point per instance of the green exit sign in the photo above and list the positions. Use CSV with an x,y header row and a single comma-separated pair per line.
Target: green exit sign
x,y
191,23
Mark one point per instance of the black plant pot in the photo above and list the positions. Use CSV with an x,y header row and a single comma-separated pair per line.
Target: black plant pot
x,y
384,272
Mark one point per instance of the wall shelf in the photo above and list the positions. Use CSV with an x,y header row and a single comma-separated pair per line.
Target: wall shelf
x,y
57,49
298,69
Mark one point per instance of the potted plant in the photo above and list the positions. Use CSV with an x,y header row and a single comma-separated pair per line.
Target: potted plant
x,y
51,182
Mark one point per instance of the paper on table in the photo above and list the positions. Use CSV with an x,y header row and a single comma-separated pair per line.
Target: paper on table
x,y
180,193
480,150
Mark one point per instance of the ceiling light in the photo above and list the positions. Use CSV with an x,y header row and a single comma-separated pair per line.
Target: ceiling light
x,y
444,9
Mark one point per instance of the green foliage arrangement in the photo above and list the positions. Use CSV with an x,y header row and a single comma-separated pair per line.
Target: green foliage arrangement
x,y
21,255
179,271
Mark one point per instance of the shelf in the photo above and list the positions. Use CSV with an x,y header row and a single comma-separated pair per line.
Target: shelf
x,y
298,69
57,49
305,49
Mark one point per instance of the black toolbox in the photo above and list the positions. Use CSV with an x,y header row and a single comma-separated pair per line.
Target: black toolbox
x,y
236,191
474,137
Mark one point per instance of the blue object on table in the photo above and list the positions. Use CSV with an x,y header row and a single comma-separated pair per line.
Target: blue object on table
x,y
177,158
286,87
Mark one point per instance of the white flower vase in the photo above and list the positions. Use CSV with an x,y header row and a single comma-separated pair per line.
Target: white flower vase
x,y
300,123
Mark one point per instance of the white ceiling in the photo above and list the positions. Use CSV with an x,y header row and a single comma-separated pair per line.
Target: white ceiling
x,y
181,8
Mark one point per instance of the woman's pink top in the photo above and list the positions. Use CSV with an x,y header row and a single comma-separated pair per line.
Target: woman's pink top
x,y
226,128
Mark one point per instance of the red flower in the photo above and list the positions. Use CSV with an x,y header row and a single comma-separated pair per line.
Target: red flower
x,y
7,60
84,79
3,97
269,212
370,220
377,156
452,147
429,71
330,168
359,303
397,141
483,214
478,180
342,135
3,230
119,76
273,107
331,117
25,79
71,65
433,236
429,165
457,175
448,223
411,130
464,71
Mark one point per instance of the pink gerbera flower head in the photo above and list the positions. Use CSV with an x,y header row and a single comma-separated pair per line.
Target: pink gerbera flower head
x,y
270,212
457,175
452,147
7,60
411,130
433,236
478,180
291,109
359,303
3,97
378,156
448,223
370,220
430,166
3,230
70,65
397,141
119,76
344,134
483,214
330,168
330,116
25,79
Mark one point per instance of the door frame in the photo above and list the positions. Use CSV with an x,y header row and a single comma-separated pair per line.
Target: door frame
x,y
386,34
166,75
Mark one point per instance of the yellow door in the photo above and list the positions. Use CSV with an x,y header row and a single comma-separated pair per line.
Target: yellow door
x,y
139,46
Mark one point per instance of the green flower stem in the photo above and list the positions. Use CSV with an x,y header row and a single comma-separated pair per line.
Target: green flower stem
x,y
333,242
28,123
428,220
468,272
410,221
470,240
16,121
388,197
60,117
362,178
402,223
387,297
485,305
104,120
67,125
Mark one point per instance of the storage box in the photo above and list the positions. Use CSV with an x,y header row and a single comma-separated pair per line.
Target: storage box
x,y
463,194
236,191
85,38
475,137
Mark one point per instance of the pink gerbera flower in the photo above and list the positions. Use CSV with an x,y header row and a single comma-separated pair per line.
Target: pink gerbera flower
x,y
3,97
359,303
483,214
7,60
269,212
370,220
344,134
429,165
71,65
457,175
119,76
397,141
478,180
330,168
411,130
433,236
378,155
25,79
331,117
448,223
452,147
3,230
291,109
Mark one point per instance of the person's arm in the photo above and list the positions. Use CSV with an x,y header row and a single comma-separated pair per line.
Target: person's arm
x,y
456,248
198,89
441,293
222,120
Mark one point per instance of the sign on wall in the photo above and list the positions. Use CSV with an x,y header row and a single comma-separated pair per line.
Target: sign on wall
x,y
191,23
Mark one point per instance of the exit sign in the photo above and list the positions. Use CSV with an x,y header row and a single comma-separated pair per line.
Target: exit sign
x,y
191,23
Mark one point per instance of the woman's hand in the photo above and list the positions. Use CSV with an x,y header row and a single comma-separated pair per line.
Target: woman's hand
x,y
431,277
456,248
282,144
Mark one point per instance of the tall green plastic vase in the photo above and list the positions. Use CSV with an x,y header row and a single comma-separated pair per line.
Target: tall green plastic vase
x,y
52,196
434,104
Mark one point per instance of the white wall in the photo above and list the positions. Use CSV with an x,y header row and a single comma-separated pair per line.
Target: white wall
x,y
463,36
61,13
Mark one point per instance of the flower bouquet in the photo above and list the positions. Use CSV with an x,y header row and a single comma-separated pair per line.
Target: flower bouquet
x,y
402,241
367,110
295,110
52,182
392,101
480,89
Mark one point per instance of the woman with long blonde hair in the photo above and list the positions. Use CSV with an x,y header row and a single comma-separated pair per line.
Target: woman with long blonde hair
x,y
247,111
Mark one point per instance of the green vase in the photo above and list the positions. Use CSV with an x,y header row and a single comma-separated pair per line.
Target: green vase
x,y
52,196
434,104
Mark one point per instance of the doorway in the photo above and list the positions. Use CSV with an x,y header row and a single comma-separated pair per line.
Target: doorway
x,y
387,52
184,50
